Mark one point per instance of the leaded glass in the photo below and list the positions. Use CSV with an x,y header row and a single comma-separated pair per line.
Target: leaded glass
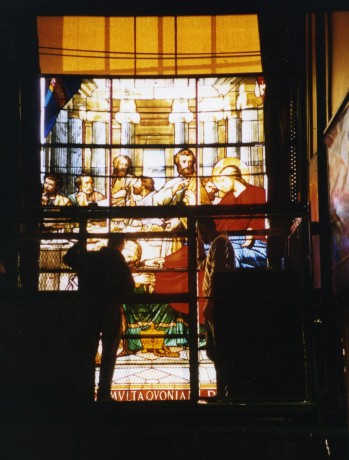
x,y
120,146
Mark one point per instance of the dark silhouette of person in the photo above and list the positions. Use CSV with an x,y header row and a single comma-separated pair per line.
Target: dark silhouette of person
x,y
220,258
105,282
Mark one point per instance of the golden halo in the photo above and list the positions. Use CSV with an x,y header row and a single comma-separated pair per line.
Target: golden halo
x,y
231,161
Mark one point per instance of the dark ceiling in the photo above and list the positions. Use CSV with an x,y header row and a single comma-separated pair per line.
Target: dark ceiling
x,y
167,7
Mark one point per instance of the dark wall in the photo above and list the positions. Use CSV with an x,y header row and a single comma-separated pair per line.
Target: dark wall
x,y
261,318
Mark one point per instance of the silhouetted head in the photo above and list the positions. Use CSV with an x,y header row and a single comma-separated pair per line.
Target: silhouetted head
x,y
116,242
206,229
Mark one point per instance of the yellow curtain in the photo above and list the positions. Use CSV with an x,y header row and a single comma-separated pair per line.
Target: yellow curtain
x,y
122,46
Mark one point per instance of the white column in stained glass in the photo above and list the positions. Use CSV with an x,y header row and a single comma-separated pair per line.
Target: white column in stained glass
x,y
242,106
250,132
98,156
234,133
128,117
58,158
180,117
74,160
211,112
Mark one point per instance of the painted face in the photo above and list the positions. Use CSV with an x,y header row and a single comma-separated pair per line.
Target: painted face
x,y
50,187
224,183
138,187
131,251
87,185
211,190
122,166
186,166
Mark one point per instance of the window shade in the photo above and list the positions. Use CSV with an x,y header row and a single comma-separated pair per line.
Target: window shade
x,y
183,45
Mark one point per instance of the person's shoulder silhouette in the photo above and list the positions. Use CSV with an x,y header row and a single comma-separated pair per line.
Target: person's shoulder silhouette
x,y
114,273
103,273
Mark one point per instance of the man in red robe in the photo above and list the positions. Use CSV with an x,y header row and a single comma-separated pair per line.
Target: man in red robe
x,y
250,249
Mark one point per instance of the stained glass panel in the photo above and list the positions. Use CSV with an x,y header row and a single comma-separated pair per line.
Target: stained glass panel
x,y
118,147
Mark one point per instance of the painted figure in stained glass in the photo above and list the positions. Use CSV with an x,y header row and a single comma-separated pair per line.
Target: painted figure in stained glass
x,y
143,191
230,177
86,195
182,189
122,181
211,189
51,193
156,321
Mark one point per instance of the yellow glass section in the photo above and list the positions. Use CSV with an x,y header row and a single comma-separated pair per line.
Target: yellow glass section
x,y
185,45
120,47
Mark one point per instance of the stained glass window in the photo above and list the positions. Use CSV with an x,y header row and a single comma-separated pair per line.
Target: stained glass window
x,y
138,154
